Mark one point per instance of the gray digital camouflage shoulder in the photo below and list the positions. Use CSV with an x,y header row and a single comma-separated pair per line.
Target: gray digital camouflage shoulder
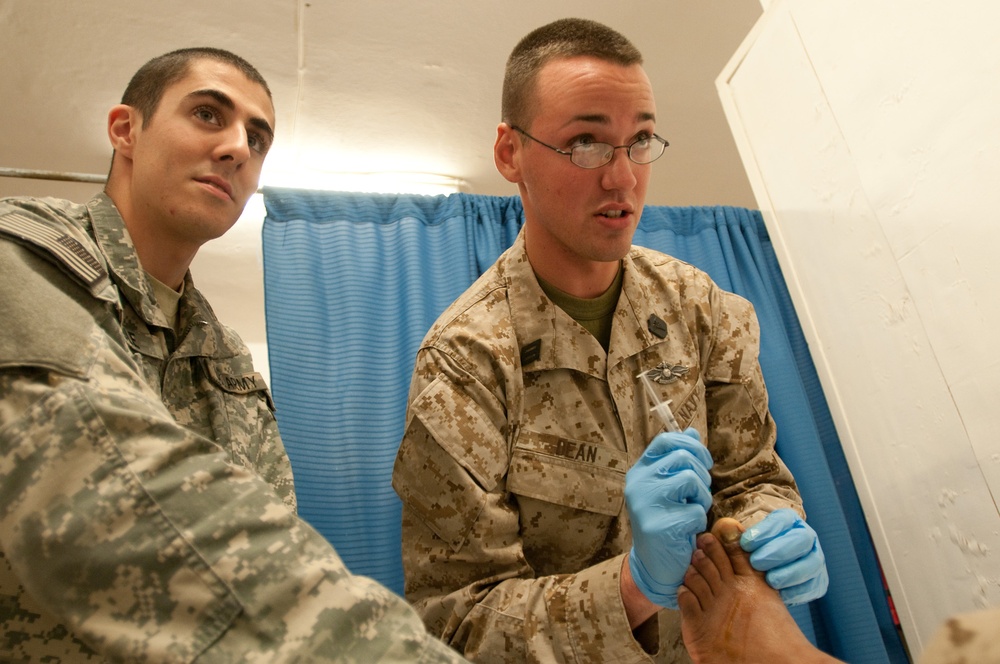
x,y
152,546
146,506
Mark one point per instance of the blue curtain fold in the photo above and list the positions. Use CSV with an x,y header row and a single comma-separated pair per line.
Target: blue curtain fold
x,y
353,282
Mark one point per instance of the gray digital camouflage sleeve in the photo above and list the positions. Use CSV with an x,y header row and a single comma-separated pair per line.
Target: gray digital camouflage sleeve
x,y
147,542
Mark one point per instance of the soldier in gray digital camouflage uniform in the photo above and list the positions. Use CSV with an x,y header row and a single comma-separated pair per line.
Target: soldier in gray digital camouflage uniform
x,y
546,518
147,511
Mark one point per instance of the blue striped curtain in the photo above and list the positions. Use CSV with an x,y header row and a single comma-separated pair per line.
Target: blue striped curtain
x,y
352,283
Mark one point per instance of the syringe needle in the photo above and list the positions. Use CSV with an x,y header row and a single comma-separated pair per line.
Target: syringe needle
x,y
660,408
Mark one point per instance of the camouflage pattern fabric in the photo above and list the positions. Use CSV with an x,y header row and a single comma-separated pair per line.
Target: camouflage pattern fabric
x,y
518,435
147,510
968,638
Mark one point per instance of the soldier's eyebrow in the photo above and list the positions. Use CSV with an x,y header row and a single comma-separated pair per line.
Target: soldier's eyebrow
x,y
225,100
601,119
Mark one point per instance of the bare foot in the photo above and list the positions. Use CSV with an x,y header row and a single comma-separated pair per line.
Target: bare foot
x,y
730,614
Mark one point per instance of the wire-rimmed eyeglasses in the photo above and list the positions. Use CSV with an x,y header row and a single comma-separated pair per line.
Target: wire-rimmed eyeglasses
x,y
594,155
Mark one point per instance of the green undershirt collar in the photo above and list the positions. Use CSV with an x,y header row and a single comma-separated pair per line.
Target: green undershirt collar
x,y
594,314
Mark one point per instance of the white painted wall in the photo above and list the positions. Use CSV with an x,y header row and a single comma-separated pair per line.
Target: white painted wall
x,y
871,136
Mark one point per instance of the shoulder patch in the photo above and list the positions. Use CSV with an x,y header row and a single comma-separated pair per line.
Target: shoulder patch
x,y
67,250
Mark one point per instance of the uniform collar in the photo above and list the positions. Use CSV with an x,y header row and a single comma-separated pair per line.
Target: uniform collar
x,y
116,244
549,338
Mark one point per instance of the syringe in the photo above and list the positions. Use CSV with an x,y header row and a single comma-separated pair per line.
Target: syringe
x,y
660,408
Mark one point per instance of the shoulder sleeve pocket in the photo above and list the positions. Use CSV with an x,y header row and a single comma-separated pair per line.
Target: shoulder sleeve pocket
x,y
450,458
463,429
48,322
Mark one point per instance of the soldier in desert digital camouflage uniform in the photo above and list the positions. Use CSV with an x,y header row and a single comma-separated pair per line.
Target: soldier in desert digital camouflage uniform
x,y
525,413
147,511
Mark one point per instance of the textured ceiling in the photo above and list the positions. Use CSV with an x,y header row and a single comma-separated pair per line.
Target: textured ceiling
x,y
361,86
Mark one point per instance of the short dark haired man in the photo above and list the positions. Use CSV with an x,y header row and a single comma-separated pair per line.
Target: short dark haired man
x,y
147,510
523,537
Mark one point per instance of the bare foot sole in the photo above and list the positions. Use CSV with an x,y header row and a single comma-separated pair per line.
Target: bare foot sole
x,y
729,613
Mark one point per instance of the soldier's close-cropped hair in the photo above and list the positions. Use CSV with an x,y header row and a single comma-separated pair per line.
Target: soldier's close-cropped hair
x,y
148,84
565,38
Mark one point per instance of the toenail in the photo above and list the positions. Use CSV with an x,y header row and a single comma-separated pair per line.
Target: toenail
x,y
731,536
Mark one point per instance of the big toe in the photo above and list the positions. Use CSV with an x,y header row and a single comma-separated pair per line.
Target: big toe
x,y
728,531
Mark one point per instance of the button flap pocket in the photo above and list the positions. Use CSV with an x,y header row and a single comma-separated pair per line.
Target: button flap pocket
x,y
572,473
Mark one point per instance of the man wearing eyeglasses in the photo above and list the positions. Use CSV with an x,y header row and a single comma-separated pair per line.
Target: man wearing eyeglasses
x,y
546,517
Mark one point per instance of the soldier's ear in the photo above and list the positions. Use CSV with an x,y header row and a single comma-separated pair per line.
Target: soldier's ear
x,y
507,153
124,124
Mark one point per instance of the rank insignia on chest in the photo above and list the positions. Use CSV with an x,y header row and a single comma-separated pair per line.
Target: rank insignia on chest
x,y
531,352
657,326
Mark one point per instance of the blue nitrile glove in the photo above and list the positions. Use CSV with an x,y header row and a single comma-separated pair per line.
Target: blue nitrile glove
x,y
668,495
787,548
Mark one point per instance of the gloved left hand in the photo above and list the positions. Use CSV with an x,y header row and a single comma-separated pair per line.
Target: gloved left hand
x,y
787,549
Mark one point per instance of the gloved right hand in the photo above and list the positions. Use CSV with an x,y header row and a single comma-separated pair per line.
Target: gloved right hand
x,y
668,495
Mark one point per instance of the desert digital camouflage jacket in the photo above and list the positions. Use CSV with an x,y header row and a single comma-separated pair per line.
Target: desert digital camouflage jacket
x,y
147,511
519,431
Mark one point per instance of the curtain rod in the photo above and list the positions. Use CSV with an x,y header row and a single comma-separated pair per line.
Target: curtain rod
x,y
93,178
34,174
